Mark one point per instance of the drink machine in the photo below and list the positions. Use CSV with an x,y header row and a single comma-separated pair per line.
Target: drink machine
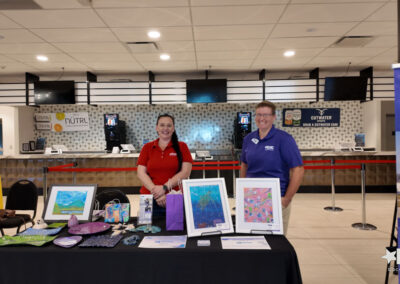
x,y
242,128
114,130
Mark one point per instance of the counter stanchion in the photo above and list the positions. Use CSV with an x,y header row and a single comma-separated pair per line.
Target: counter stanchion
x,y
74,173
45,170
363,225
333,207
234,183
218,172
204,168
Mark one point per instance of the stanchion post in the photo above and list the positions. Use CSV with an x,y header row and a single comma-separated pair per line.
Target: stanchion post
x,y
74,173
204,168
45,171
218,171
363,225
234,182
333,207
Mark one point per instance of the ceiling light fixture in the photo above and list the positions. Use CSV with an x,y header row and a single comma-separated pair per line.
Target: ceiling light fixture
x,y
165,56
289,53
42,58
154,34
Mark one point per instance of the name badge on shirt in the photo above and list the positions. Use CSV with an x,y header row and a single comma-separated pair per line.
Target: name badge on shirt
x,y
269,148
172,154
254,140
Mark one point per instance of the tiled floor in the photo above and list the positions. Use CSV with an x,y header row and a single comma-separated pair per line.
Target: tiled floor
x,y
328,248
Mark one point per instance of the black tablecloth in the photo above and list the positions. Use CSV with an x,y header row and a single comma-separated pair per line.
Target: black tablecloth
x,y
126,264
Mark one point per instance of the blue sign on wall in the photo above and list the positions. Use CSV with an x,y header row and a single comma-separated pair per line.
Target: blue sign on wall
x,y
311,117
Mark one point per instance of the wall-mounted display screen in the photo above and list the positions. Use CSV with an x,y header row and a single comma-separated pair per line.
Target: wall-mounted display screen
x,y
345,88
54,92
244,117
111,119
206,91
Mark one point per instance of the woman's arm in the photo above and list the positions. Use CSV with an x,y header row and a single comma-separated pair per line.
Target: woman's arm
x,y
243,170
296,177
184,173
156,190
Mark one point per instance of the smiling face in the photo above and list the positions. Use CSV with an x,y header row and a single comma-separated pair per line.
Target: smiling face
x,y
265,118
165,128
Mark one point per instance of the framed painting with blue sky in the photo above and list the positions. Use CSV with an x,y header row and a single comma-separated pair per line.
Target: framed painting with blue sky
x,y
66,200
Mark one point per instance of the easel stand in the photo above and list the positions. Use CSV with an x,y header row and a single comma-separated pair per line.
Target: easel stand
x,y
392,247
263,232
218,232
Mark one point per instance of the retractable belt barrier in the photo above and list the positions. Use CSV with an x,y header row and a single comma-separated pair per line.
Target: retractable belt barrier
x,y
203,166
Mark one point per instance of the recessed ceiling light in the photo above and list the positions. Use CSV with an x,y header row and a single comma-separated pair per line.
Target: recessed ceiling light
x,y
165,56
42,58
154,34
289,53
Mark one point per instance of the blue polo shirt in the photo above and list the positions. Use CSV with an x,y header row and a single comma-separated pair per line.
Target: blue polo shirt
x,y
271,157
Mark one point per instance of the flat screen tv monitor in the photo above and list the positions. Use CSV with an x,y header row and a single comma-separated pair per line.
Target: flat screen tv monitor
x,y
206,91
345,88
111,119
54,92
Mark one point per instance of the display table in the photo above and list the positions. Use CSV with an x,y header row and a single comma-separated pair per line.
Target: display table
x,y
126,264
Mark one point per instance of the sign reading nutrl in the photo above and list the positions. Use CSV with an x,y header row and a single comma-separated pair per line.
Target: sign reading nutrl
x,y
311,117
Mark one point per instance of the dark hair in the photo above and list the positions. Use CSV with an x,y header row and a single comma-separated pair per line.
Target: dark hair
x,y
174,139
272,106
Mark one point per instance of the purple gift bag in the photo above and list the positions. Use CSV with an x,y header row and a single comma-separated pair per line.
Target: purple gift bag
x,y
174,208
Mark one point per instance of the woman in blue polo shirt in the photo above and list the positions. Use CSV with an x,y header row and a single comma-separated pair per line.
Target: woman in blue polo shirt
x,y
272,153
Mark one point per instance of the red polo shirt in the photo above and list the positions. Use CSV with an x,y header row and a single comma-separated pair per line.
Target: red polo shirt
x,y
161,165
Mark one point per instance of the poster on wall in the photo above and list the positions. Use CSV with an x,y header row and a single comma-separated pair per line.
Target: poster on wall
x,y
311,117
61,122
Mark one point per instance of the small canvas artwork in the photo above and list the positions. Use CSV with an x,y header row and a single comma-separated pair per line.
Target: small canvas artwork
x,y
70,202
258,205
65,200
207,206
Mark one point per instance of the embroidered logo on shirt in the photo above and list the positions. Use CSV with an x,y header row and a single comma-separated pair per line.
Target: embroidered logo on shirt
x,y
269,148
172,154
254,140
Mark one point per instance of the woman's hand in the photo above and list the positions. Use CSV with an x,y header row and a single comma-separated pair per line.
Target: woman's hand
x,y
157,191
161,201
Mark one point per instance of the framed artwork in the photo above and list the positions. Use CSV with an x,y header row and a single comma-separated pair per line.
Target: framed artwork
x,y
258,206
206,207
66,200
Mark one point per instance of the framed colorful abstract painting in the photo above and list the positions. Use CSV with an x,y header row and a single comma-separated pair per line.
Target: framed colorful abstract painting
x,y
258,206
66,200
206,207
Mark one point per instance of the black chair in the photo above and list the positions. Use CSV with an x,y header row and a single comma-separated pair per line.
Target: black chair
x,y
105,196
23,195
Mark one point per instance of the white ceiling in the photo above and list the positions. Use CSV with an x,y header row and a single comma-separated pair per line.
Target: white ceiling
x,y
226,35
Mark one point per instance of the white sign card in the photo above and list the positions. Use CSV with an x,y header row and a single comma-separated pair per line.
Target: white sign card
x,y
163,242
245,242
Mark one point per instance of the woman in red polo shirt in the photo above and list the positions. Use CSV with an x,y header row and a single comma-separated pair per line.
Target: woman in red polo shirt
x,y
163,162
